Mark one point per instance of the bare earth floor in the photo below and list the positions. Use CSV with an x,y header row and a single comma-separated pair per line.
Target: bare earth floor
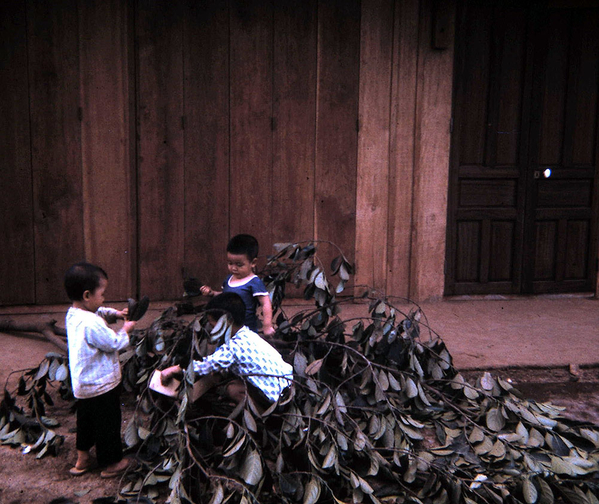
x,y
534,342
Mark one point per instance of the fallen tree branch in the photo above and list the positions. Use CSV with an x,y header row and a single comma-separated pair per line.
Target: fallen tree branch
x,y
48,330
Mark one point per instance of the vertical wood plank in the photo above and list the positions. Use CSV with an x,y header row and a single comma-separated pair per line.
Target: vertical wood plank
x,y
474,80
468,245
586,68
555,73
546,233
401,161
336,123
294,106
372,200
577,249
510,83
108,209
433,113
502,246
251,120
206,53
160,149
16,225
485,250
55,143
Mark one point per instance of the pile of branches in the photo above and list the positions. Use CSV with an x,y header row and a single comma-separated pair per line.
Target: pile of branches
x,y
377,413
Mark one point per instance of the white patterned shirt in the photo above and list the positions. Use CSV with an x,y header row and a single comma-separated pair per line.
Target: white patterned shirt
x,y
248,356
94,351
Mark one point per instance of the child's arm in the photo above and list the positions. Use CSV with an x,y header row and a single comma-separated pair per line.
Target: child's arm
x,y
110,315
207,291
128,326
103,337
267,327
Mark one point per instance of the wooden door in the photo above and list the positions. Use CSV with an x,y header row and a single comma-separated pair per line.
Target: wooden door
x,y
522,205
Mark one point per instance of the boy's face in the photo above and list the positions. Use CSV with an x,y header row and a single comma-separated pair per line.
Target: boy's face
x,y
239,265
93,300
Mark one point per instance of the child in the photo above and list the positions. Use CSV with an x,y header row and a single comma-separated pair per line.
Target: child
x,y
245,355
242,253
95,370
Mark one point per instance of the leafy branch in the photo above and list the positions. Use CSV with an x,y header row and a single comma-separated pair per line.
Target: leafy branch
x,y
375,414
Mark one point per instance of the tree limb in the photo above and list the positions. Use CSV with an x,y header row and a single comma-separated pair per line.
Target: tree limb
x,y
48,330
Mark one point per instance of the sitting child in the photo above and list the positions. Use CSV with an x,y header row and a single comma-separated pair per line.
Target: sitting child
x,y
242,254
95,370
246,355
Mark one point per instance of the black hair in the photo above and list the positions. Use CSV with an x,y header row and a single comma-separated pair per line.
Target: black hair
x,y
82,277
227,302
243,244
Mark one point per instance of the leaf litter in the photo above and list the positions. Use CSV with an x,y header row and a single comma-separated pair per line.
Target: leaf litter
x,y
377,413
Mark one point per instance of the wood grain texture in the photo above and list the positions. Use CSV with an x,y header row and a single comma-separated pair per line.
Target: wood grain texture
x,y
292,120
555,75
294,112
372,184
475,83
108,209
16,225
487,184
336,124
251,120
401,160
565,202
582,131
509,85
53,56
207,205
160,148
431,166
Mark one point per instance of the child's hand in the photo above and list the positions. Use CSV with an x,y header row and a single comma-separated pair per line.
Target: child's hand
x,y
122,314
129,325
268,330
206,291
169,373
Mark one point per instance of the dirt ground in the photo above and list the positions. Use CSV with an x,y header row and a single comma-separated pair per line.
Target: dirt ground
x,y
25,479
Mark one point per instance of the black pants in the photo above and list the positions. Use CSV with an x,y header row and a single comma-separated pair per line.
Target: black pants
x,y
99,424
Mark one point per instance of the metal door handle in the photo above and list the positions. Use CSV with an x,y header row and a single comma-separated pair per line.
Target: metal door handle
x,y
546,173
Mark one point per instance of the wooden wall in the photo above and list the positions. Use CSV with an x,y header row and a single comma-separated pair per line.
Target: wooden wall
x,y
142,135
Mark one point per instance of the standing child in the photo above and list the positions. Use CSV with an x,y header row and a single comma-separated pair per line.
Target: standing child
x,y
95,370
242,254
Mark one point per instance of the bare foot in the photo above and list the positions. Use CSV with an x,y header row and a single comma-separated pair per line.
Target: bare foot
x,y
118,468
84,464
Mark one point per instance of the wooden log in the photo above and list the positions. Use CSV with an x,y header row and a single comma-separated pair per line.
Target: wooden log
x,y
48,330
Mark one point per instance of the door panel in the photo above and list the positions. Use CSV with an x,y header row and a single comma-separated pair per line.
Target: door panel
x,y
560,201
525,101
486,177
